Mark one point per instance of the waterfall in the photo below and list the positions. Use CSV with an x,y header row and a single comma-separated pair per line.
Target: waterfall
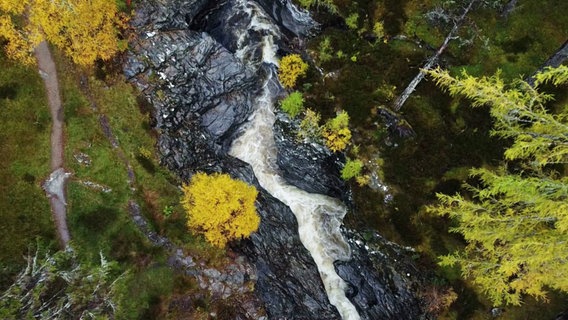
x,y
319,217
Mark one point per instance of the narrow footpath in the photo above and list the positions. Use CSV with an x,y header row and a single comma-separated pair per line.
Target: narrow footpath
x,y
55,184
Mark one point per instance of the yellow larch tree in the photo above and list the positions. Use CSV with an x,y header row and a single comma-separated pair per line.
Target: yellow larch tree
x,y
291,68
515,218
86,30
220,208
336,132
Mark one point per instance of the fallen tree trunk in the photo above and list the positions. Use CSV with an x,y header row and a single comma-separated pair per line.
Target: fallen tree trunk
x,y
431,61
554,61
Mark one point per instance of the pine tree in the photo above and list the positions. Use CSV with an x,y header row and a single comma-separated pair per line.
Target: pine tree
x,y
60,286
515,222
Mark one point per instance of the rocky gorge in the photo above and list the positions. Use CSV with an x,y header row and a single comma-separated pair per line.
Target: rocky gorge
x,y
200,65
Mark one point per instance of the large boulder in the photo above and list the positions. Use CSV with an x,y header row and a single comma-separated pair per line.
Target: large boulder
x,y
188,75
382,279
308,166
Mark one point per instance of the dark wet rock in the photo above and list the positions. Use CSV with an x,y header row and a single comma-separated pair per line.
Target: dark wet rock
x,y
290,19
187,75
293,24
383,281
288,280
166,14
188,149
201,94
308,166
235,24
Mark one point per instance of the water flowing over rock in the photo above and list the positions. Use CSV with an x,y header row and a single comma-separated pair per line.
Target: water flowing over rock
x,y
382,280
201,93
188,61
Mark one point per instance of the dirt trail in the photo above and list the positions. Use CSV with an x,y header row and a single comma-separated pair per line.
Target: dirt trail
x,y
55,184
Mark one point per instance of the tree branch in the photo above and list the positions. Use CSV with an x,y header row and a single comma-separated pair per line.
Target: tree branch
x,y
432,60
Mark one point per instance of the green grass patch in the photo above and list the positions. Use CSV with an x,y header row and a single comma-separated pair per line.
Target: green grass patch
x,y
24,162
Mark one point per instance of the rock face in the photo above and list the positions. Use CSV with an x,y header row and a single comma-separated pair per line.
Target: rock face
x,y
382,279
201,94
188,75
185,65
308,166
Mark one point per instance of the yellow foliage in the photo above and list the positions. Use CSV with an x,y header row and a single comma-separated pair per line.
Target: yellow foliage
x,y
84,30
336,132
291,68
515,222
17,46
13,6
220,208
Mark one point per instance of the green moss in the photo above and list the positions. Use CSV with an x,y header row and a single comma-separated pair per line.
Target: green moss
x,y
325,52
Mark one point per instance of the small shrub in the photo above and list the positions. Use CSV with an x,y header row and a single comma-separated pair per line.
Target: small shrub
x,y
293,104
336,132
439,299
379,30
220,208
327,4
309,127
363,180
291,68
352,21
145,152
351,169
325,50
168,211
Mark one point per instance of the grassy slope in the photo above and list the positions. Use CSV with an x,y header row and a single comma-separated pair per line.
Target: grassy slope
x,y
98,221
24,162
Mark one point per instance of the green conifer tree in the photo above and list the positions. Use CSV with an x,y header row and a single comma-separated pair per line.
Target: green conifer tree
x,y
516,221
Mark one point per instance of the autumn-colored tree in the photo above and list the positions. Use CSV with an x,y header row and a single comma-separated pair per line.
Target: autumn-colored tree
x,y
291,68
220,208
310,129
84,30
515,222
336,132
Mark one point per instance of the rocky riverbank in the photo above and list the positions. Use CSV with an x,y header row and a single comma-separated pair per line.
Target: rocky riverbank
x,y
183,62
